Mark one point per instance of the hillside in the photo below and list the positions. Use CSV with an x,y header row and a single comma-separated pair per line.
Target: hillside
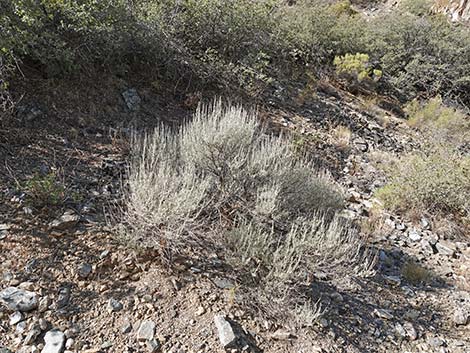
x,y
249,176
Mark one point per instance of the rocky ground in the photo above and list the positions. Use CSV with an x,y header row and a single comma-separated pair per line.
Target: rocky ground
x,y
68,284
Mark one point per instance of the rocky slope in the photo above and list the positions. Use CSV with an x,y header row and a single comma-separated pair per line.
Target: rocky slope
x,y
68,285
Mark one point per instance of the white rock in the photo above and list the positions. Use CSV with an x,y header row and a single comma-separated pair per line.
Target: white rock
x,y
227,336
55,341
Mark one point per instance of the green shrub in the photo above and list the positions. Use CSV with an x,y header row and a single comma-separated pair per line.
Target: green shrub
x,y
45,190
435,182
356,66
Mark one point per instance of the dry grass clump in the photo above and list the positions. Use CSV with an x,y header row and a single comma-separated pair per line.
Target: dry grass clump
x,y
415,273
222,179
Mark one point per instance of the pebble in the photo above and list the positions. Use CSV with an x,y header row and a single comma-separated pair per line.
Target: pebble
x,y
114,305
414,235
54,342
223,283
461,317
126,327
445,248
16,317
146,331
383,314
153,345
200,311
19,299
84,270
69,343
227,336
32,334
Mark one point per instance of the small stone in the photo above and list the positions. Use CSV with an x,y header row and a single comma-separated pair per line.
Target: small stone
x,y
114,305
414,235
410,331
401,227
153,345
146,330
126,327
383,314
21,327
16,317
400,330
223,283
84,270
461,317
32,335
147,298
282,335
445,248
66,221
425,223
43,324
393,280
106,345
436,342
132,99
44,304
63,298
69,343
54,342
19,299
227,337
200,311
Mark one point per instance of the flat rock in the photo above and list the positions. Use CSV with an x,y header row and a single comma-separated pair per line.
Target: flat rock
x,y
19,299
383,314
16,317
66,221
146,330
445,248
414,235
227,336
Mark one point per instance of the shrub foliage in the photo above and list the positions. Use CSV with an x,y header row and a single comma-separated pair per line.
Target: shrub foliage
x,y
221,179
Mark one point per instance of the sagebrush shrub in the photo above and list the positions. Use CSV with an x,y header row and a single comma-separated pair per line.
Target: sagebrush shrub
x,y
221,177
